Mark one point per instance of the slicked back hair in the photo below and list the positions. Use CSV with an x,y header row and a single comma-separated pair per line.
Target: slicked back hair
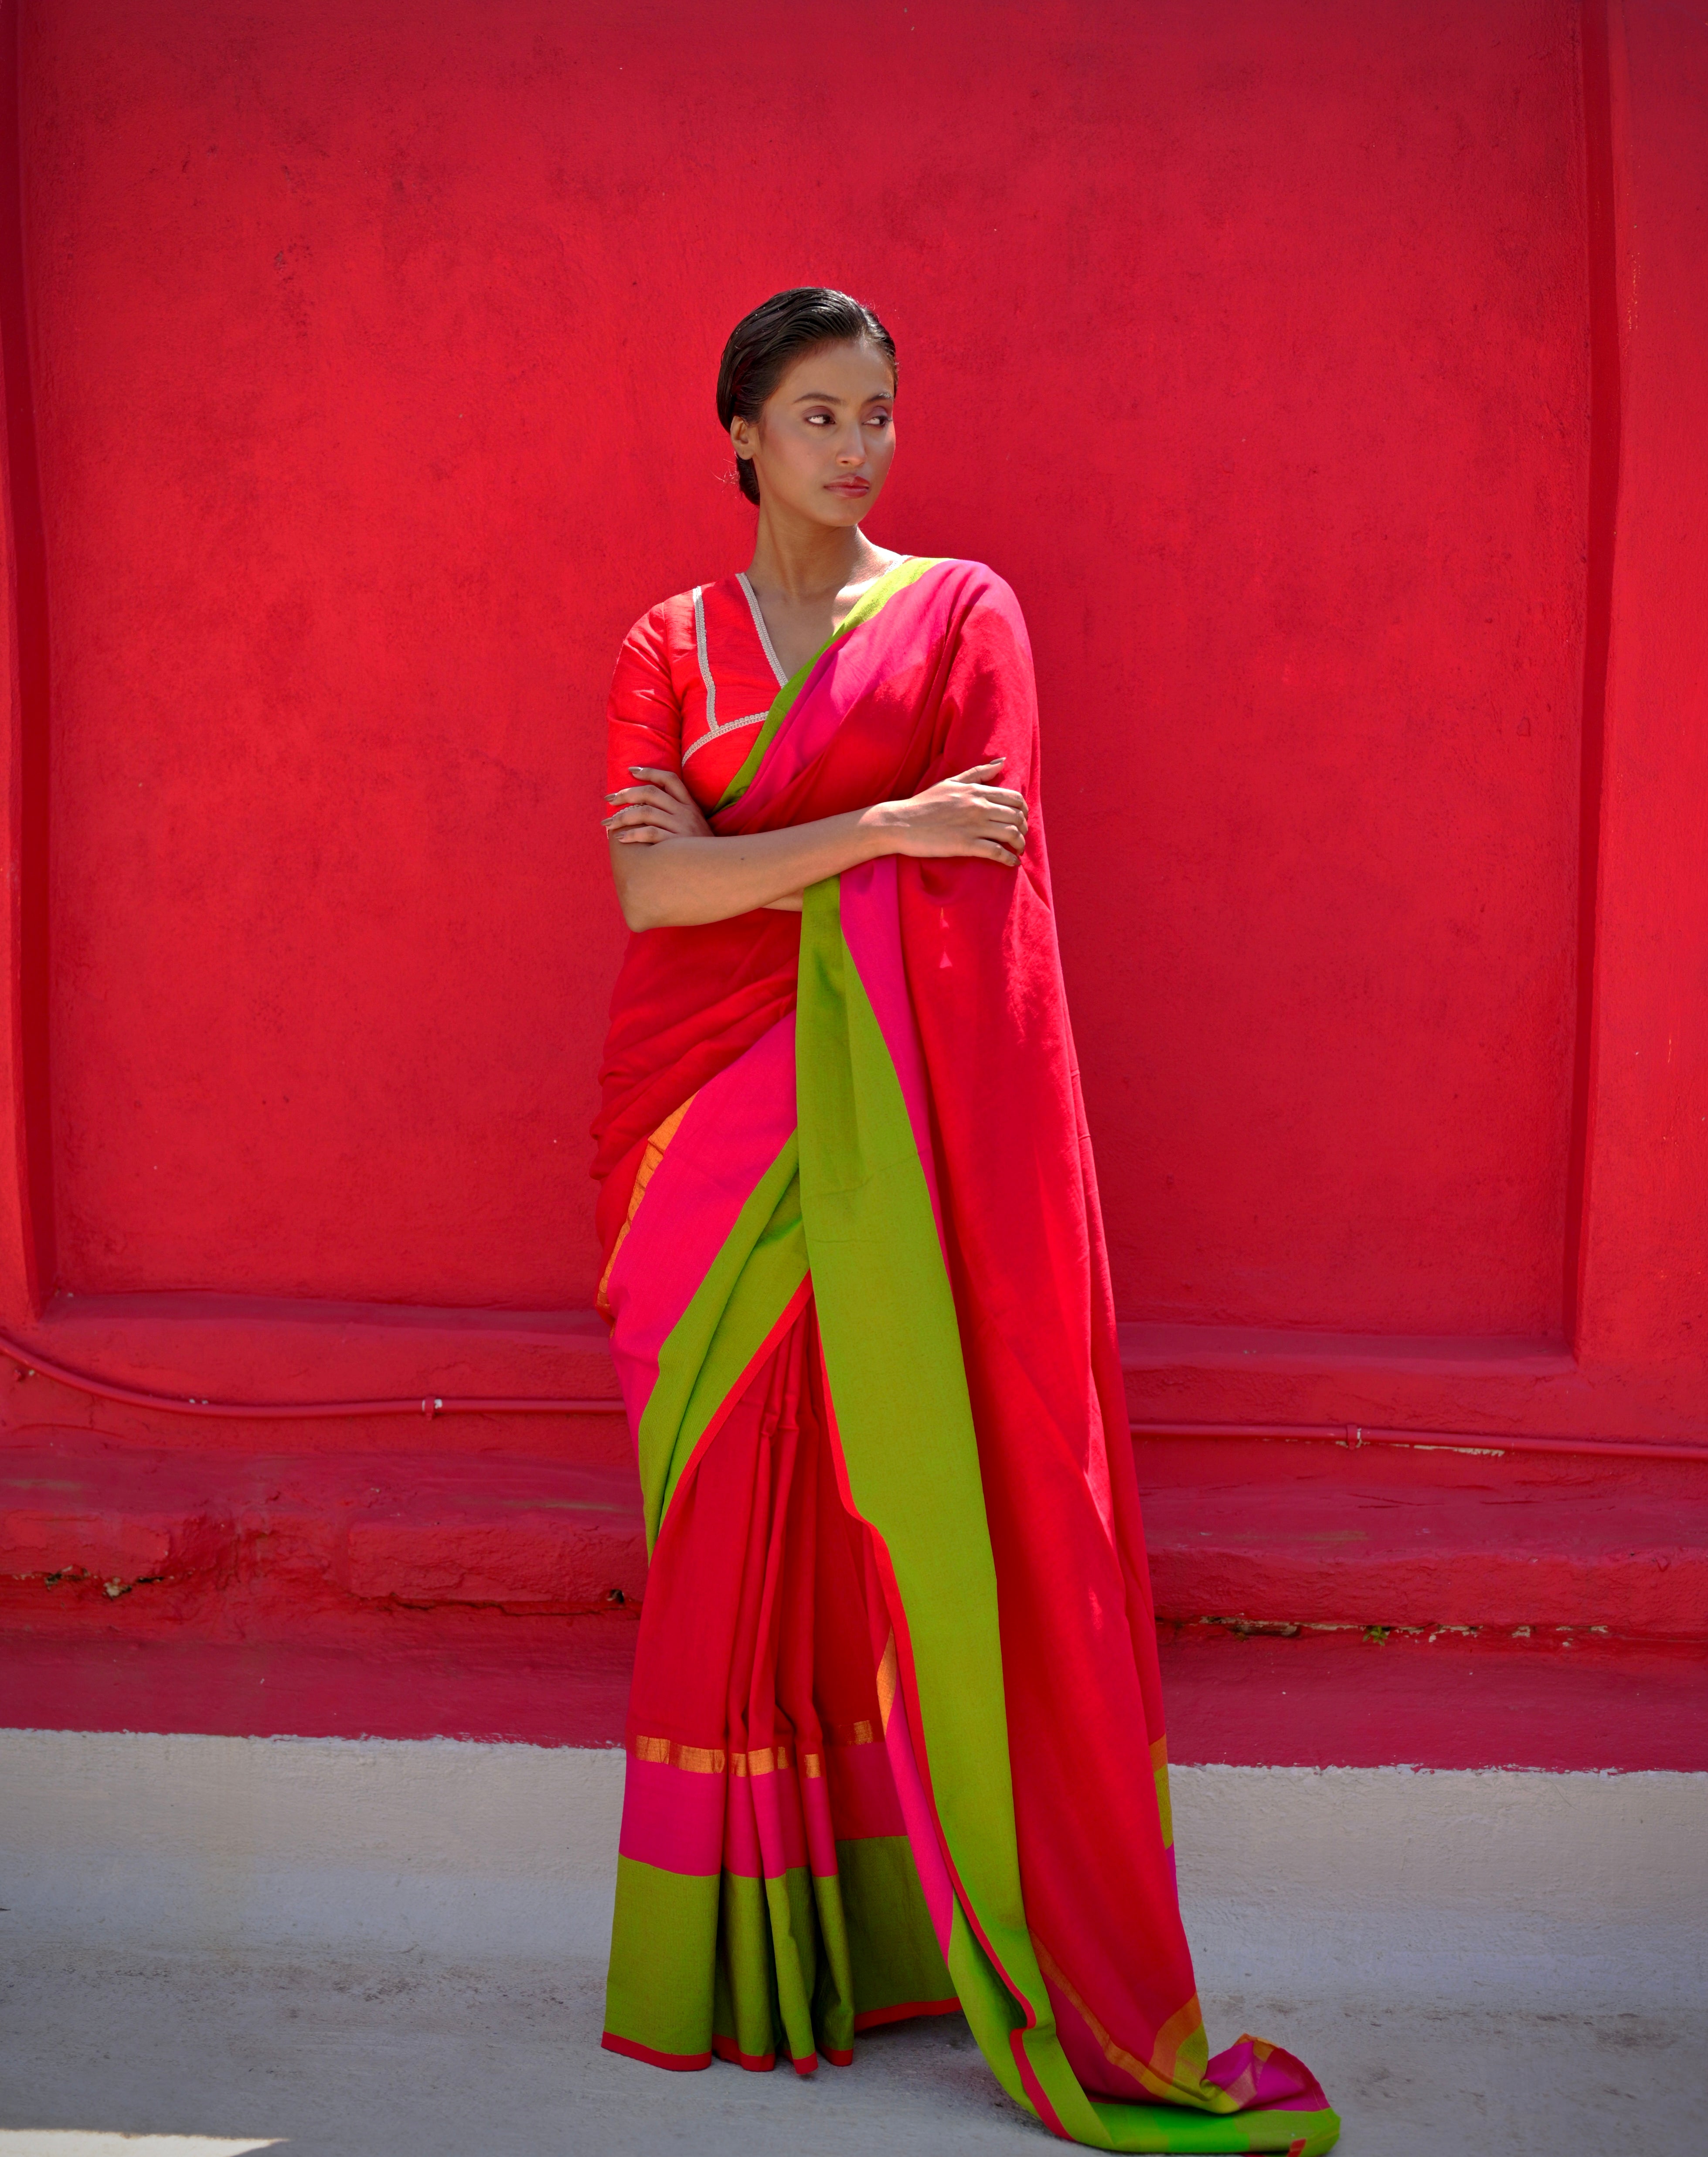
x,y
763,346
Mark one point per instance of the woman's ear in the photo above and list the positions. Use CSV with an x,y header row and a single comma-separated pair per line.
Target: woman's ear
x,y
741,437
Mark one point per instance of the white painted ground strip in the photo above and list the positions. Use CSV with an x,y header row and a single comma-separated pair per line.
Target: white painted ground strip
x,y
1584,1890
71,2142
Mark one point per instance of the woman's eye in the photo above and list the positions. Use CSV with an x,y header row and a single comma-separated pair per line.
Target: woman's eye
x,y
818,420
879,418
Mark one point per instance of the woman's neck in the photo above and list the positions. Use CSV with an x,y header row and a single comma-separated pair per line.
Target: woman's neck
x,y
800,562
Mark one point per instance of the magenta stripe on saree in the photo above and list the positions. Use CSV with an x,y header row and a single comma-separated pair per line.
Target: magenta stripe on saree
x,y
732,1132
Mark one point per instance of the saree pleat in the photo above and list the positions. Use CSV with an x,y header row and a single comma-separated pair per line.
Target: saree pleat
x,y
896,1740
812,1924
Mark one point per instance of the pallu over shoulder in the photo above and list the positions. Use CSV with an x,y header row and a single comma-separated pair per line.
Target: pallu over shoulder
x,y
896,1742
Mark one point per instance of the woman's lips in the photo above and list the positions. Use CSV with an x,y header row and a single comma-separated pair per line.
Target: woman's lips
x,y
851,486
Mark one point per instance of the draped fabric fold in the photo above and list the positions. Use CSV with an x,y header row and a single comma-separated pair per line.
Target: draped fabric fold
x,y
896,1737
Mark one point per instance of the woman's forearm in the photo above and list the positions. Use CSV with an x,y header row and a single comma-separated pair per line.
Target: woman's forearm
x,y
679,881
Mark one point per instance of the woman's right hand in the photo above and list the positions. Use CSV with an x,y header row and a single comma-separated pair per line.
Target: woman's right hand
x,y
657,806
969,814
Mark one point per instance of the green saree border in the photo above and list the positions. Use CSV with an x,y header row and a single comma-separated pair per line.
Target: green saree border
x,y
903,1417
747,1290
871,601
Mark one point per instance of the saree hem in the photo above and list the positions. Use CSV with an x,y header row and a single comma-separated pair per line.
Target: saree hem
x,y
682,2063
879,2018
731,2055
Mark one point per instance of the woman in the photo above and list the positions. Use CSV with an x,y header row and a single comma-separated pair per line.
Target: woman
x,y
895,1741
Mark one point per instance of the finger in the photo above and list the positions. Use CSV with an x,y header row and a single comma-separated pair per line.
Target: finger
x,y
671,781
974,772
655,795
641,813
993,852
644,836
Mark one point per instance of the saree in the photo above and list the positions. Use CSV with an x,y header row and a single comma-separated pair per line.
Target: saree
x,y
895,1744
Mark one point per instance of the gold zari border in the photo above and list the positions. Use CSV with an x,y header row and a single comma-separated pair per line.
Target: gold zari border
x,y
654,1153
763,1760
1160,2075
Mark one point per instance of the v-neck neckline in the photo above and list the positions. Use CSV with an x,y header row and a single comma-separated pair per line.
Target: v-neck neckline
x,y
758,612
753,607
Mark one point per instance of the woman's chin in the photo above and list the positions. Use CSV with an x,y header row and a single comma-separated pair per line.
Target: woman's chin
x,y
834,511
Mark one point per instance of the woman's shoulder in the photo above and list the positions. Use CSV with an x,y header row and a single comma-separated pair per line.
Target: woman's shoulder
x,y
664,622
660,642
664,651
963,569
973,581
669,630
974,571
679,608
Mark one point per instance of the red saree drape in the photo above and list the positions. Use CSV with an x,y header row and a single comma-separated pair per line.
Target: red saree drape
x,y
896,1738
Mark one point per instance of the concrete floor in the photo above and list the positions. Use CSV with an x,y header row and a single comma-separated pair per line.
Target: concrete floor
x,y
379,1949
404,2054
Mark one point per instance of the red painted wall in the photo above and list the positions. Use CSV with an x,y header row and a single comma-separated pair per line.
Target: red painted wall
x,y
1293,363
375,358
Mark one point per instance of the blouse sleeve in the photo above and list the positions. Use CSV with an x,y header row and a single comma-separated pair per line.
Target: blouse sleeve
x,y
644,720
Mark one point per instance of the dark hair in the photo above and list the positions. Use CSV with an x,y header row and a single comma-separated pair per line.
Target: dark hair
x,y
763,345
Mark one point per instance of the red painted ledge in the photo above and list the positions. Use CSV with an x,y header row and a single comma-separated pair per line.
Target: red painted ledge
x,y
202,1539
1311,1702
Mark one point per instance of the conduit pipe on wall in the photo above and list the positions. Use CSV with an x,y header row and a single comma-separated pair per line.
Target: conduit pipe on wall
x,y
31,1365
1451,1441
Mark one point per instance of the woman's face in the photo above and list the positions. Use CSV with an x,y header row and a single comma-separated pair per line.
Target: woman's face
x,y
823,441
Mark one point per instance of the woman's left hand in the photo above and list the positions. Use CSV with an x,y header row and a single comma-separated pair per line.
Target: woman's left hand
x,y
657,806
